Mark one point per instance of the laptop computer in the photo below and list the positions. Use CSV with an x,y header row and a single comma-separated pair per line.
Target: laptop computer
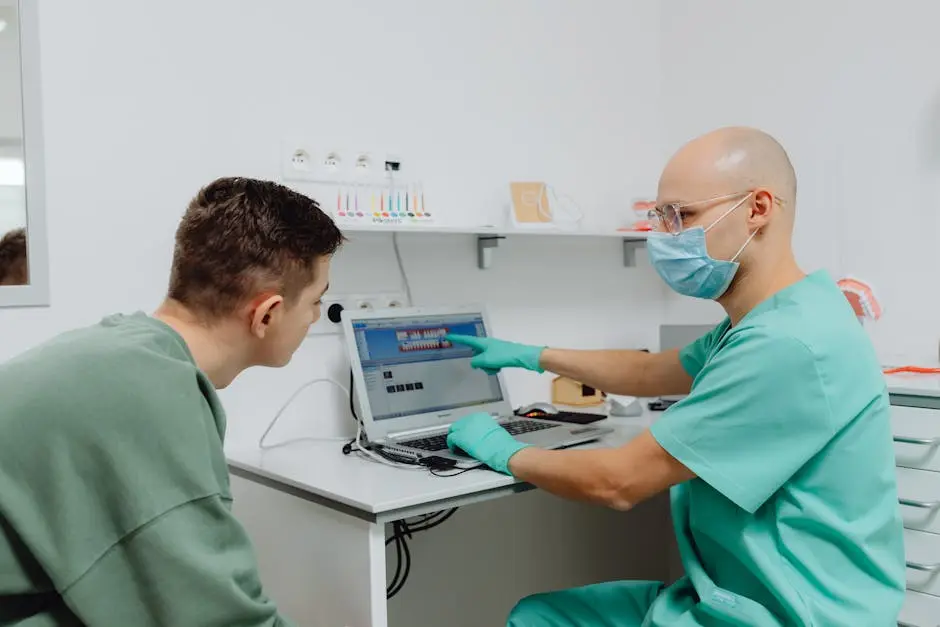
x,y
412,384
679,336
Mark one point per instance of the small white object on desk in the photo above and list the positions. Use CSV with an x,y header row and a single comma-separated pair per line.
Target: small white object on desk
x,y
624,406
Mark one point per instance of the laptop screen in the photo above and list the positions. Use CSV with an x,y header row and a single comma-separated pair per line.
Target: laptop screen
x,y
409,368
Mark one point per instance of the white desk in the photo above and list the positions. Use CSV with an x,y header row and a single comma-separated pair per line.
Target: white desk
x,y
327,547
348,500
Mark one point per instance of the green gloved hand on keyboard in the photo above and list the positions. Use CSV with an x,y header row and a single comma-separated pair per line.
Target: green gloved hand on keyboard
x,y
492,355
481,437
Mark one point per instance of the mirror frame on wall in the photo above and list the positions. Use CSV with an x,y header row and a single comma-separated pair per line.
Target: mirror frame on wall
x,y
36,294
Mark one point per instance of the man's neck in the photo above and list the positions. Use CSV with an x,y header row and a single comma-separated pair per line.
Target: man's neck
x,y
214,347
759,284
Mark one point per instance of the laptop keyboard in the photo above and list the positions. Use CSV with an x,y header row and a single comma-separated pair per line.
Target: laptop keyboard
x,y
514,427
518,427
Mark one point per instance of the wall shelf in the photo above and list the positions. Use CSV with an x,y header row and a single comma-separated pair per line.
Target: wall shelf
x,y
488,237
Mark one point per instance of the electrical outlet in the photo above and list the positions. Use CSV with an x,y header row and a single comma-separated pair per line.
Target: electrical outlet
x,y
300,160
363,165
297,162
390,300
332,164
325,326
396,301
354,302
350,167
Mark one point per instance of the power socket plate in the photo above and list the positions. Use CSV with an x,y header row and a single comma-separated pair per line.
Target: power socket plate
x,y
302,162
354,302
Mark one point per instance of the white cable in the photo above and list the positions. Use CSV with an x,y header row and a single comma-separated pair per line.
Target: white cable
x,y
280,411
369,454
362,449
268,447
401,269
401,265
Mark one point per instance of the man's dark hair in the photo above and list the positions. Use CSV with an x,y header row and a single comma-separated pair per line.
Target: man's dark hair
x,y
14,267
242,236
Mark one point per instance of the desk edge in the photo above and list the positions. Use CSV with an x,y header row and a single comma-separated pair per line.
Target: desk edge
x,y
378,517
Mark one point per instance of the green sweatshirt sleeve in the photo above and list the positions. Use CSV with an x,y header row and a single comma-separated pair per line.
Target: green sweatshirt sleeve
x,y
192,565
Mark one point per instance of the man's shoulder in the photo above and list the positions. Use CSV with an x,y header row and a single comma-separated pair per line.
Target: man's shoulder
x,y
103,373
109,344
813,313
109,398
766,341
821,328
830,349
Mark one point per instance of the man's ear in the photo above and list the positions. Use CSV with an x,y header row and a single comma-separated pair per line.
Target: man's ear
x,y
762,206
264,312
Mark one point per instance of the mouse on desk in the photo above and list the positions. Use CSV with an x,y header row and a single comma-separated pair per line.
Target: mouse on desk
x,y
537,409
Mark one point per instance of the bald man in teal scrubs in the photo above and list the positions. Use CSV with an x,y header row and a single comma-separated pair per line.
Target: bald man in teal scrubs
x,y
779,460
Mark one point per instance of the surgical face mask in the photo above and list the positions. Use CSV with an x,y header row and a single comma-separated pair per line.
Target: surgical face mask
x,y
682,260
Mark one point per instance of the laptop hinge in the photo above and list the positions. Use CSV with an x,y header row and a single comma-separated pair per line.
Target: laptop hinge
x,y
397,435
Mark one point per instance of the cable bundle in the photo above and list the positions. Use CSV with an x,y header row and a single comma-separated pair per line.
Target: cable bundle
x,y
402,532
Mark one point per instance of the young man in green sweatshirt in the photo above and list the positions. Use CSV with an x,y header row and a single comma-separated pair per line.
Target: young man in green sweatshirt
x,y
115,506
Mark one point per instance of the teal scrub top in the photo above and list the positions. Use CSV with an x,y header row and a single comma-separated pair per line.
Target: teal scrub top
x,y
793,518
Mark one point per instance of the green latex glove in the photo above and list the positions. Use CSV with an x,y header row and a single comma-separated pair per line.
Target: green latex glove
x,y
482,438
492,355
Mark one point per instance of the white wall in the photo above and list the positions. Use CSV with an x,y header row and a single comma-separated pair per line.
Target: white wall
x,y
145,102
469,116
161,99
852,91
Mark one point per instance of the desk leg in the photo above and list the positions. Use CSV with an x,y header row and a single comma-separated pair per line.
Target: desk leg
x,y
378,604
320,566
